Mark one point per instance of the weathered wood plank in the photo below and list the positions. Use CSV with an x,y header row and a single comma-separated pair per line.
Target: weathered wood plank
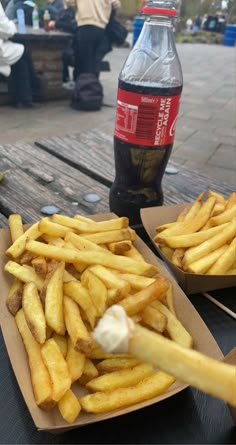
x,y
35,179
92,152
3,221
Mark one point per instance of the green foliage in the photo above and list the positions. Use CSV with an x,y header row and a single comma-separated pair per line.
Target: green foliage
x,y
40,3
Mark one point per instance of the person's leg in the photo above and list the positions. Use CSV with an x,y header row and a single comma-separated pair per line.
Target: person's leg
x,y
88,39
68,60
25,80
22,82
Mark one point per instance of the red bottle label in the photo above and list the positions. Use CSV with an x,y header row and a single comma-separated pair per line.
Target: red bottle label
x,y
143,119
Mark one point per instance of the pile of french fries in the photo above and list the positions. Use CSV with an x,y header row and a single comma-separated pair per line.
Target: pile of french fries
x,y
203,238
67,271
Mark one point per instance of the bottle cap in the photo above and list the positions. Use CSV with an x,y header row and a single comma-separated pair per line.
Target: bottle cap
x,y
162,11
162,7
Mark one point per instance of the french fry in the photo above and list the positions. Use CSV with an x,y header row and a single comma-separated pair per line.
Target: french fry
x,y
225,261
120,379
231,201
218,208
116,364
174,327
193,239
167,251
89,372
182,215
15,226
34,313
154,318
134,254
26,258
137,282
194,208
110,236
83,218
219,197
62,343
53,240
77,331
203,265
231,271
24,273
195,253
91,227
103,258
54,301
69,406
81,296
47,227
18,247
97,290
224,217
164,226
40,378
75,361
177,257
82,243
40,265
191,226
14,297
57,369
170,300
150,387
98,353
114,296
120,247
111,279
137,302
189,366
68,277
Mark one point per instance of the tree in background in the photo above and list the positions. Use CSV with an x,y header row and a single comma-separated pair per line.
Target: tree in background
x,y
231,11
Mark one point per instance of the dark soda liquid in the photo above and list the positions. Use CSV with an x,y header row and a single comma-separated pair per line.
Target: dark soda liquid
x,y
139,168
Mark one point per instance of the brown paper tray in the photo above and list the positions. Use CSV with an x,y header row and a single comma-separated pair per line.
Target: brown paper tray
x,y
190,283
52,421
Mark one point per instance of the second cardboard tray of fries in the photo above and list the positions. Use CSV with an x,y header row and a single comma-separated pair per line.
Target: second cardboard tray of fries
x,y
66,272
202,240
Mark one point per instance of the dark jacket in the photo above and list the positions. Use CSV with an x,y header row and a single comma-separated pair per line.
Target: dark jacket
x,y
66,21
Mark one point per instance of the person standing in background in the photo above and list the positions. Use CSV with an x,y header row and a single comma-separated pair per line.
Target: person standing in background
x,y
189,24
92,18
15,60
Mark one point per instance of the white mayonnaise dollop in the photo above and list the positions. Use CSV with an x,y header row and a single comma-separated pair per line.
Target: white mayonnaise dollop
x,y
114,330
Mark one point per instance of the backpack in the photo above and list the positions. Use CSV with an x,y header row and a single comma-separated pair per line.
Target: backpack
x,y
116,32
88,93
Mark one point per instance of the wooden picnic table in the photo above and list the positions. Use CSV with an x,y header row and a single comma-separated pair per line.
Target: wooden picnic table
x,y
65,172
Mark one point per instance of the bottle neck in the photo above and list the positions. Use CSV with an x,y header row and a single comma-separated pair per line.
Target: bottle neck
x,y
158,33
159,20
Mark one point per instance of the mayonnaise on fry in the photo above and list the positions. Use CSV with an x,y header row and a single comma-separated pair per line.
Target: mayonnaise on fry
x,y
114,330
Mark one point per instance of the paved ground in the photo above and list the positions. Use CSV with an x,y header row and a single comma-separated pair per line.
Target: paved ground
x,y
206,129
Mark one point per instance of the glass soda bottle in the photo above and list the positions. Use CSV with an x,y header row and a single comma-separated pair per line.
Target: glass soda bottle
x,y
148,98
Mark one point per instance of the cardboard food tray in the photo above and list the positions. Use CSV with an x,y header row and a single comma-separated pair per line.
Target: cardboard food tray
x,y
52,421
189,282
